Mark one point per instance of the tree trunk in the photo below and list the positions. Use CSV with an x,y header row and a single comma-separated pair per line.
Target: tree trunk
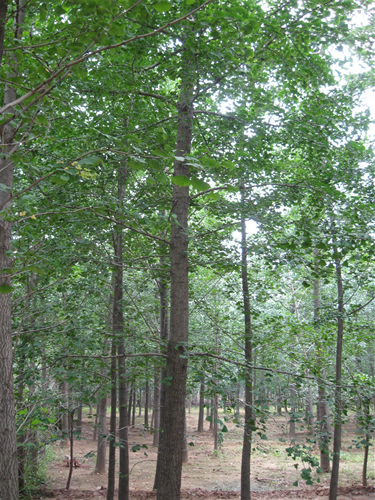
x,y
201,407
292,420
118,329
134,404
65,417
147,401
164,334
309,407
249,419
112,425
71,452
8,444
176,369
338,396
155,424
322,414
215,429
102,435
185,450
367,436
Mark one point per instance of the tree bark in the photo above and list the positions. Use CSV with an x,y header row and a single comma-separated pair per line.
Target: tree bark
x,y
118,329
164,334
249,418
176,369
322,414
102,435
147,401
338,395
9,489
112,425
201,407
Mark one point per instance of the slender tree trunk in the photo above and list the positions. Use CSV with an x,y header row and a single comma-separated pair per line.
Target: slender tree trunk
x,y
292,420
366,418
249,418
102,435
211,415
155,424
185,450
309,407
118,328
201,407
175,392
134,404
112,425
215,429
147,402
71,442
322,414
164,334
65,416
8,445
96,421
130,404
338,396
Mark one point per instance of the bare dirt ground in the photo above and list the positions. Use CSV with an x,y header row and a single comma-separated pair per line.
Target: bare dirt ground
x,y
212,475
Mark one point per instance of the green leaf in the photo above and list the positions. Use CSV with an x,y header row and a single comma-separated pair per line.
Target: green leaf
x,y
181,180
5,289
199,185
163,6
224,428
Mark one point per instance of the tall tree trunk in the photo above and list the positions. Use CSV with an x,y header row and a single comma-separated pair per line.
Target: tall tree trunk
x,y
215,417
102,433
8,444
201,407
164,334
338,396
185,450
175,392
322,415
65,416
156,407
112,424
147,400
118,329
249,418
367,436
293,409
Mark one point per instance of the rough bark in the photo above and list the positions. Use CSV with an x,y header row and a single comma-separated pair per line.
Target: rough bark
x,y
176,369
8,445
338,395
249,418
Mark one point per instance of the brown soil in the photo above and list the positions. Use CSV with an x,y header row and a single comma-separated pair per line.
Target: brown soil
x,y
212,475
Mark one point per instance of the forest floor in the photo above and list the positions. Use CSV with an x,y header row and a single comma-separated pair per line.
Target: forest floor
x,y
210,474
